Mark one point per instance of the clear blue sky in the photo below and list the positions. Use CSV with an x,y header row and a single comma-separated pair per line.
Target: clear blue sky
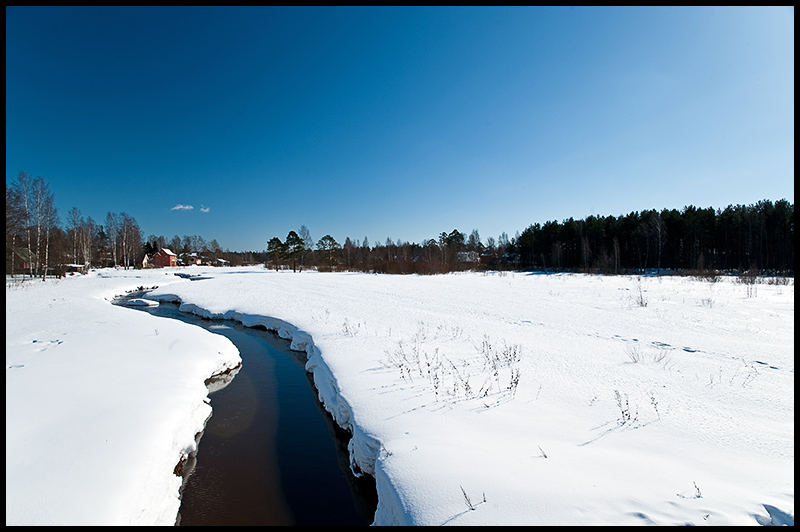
x,y
397,122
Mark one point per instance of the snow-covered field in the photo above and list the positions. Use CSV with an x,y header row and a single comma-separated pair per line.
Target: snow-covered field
x,y
474,399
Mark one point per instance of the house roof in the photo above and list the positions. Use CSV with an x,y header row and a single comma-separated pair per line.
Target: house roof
x,y
25,255
168,252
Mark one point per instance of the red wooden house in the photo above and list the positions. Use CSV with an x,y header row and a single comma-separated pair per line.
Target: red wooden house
x,y
164,257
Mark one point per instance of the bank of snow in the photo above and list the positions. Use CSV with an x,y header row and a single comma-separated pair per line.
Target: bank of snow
x,y
522,399
101,402
543,399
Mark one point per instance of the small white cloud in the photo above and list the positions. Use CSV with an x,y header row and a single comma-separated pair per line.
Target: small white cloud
x,y
180,207
204,209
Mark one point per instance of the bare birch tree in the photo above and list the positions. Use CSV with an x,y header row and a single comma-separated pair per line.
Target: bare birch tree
x,y
88,235
45,217
131,239
74,222
23,191
112,233
49,223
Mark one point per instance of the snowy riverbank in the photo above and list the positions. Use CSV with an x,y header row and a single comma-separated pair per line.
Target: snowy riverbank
x,y
474,398
101,403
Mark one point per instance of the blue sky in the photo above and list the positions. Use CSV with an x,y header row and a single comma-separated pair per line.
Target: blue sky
x,y
397,123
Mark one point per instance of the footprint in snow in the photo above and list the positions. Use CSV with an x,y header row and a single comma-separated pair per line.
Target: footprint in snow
x,y
45,344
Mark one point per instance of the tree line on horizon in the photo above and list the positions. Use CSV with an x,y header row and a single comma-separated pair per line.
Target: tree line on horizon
x,y
37,244
739,238
453,251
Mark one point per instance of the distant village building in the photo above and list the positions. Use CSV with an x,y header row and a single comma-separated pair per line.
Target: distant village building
x,y
163,258
189,259
76,268
142,261
468,256
27,259
488,259
104,260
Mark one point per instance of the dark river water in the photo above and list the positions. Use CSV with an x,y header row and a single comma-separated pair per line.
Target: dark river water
x,y
269,454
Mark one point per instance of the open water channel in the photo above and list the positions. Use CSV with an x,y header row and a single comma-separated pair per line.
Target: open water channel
x,y
270,454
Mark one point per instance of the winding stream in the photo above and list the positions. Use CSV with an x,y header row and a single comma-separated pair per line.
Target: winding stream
x,y
270,454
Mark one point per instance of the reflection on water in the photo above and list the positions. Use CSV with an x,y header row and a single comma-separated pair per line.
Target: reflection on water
x,y
270,454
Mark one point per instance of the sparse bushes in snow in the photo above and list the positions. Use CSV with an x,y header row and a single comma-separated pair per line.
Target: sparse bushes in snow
x,y
468,500
495,372
709,276
749,278
655,404
625,409
633,352
779,281
688,495
657,356
639,298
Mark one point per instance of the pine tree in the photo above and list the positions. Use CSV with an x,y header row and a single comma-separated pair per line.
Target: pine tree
x,y
276,250
295,247
328,245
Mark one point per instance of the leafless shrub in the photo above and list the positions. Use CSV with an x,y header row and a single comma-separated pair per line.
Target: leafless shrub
x,y
633,352
696,495
467,499
708,276
639,298
655,404
544,454
659,355
778,281
749,278
625,409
